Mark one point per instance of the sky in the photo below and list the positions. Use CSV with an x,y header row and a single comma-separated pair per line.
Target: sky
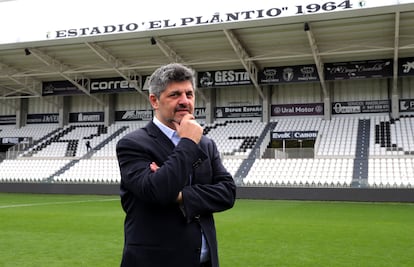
x,y
30,20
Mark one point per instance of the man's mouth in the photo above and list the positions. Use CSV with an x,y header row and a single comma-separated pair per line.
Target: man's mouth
x,y
182,110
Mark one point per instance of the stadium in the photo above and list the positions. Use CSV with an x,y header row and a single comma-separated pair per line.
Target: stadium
x,y
311,104
306,100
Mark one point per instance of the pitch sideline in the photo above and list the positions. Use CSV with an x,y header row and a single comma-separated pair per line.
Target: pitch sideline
x,y
55,203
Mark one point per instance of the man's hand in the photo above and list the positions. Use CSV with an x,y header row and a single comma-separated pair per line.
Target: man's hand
x,y
189,128
154,167
179,199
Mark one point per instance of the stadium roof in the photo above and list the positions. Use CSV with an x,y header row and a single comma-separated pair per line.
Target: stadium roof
x,y
361,34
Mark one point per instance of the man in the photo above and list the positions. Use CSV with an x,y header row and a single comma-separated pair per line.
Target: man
x,y
172,180
88,145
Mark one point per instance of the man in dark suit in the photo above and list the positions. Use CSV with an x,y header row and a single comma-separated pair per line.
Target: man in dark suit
x,y
172,180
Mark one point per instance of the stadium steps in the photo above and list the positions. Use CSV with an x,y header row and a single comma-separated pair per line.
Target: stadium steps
x,y
52,138
43,139
247,163
102,129
360,172
383,136
58,134
71,148
87,155
105,142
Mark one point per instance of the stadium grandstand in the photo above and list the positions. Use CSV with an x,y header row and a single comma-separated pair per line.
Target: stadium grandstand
x,y
304,101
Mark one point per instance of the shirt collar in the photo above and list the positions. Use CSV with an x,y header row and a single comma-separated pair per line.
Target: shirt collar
x,y
166,130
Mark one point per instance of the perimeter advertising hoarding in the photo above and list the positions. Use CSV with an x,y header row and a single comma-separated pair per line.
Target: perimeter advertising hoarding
x,y
60,88
13,140
7,119
86,117
200,113
103,85
271,75
222,78
133,115
406,105
406,66
238,112
356,107
295,135
291,74
43,118
380,68
297,109
113,85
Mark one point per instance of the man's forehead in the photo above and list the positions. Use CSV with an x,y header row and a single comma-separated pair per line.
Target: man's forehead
x,y
180,87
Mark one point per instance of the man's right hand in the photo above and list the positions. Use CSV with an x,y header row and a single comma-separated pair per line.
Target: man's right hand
x,y
189,128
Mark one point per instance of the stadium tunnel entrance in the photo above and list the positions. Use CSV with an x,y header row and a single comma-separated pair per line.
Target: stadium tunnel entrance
x,y
3,150
292,144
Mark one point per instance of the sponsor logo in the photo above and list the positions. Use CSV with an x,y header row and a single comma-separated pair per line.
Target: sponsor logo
x,y
137,115
295,135
88,117
113,85
308,73
407,105
338,108
206,80
270,74
297,109
288,74
226,76
408,66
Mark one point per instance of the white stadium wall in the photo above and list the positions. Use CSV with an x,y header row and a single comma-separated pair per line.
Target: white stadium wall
x,y
234,96
131,101
407,88
45,105
297,93
358,90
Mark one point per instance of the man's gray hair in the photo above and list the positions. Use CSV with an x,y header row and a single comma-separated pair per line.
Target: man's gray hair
x,y
173,72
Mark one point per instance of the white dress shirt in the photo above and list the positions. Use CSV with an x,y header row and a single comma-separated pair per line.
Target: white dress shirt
x,y
175,138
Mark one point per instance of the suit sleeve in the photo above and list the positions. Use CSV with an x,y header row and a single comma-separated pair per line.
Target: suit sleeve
x,y
215,195
135,153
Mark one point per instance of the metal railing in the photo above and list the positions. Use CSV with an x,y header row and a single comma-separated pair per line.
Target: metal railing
x,y
289,153
19,148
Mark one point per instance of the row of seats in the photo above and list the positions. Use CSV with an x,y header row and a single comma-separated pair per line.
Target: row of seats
x,y
30,170
392,137
36,131
109,149
91,171
301,172
71,141
107,171
332,165
391,172
236,137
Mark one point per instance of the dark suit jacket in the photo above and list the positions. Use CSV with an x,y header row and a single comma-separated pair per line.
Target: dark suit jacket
x,y
158,231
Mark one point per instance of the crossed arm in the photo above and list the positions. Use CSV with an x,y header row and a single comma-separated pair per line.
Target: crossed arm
x,y
154,167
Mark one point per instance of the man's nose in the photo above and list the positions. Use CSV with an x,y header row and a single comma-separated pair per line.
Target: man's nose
x,y
183,99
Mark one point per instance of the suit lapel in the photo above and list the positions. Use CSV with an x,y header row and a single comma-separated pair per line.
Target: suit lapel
x,y
165,144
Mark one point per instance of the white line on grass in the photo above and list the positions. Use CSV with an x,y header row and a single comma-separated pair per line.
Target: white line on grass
x,y
55,203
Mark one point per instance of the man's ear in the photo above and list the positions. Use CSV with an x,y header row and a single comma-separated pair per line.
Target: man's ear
x,y
154,101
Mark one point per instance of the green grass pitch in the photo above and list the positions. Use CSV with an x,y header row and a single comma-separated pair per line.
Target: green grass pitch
x,y
86,230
